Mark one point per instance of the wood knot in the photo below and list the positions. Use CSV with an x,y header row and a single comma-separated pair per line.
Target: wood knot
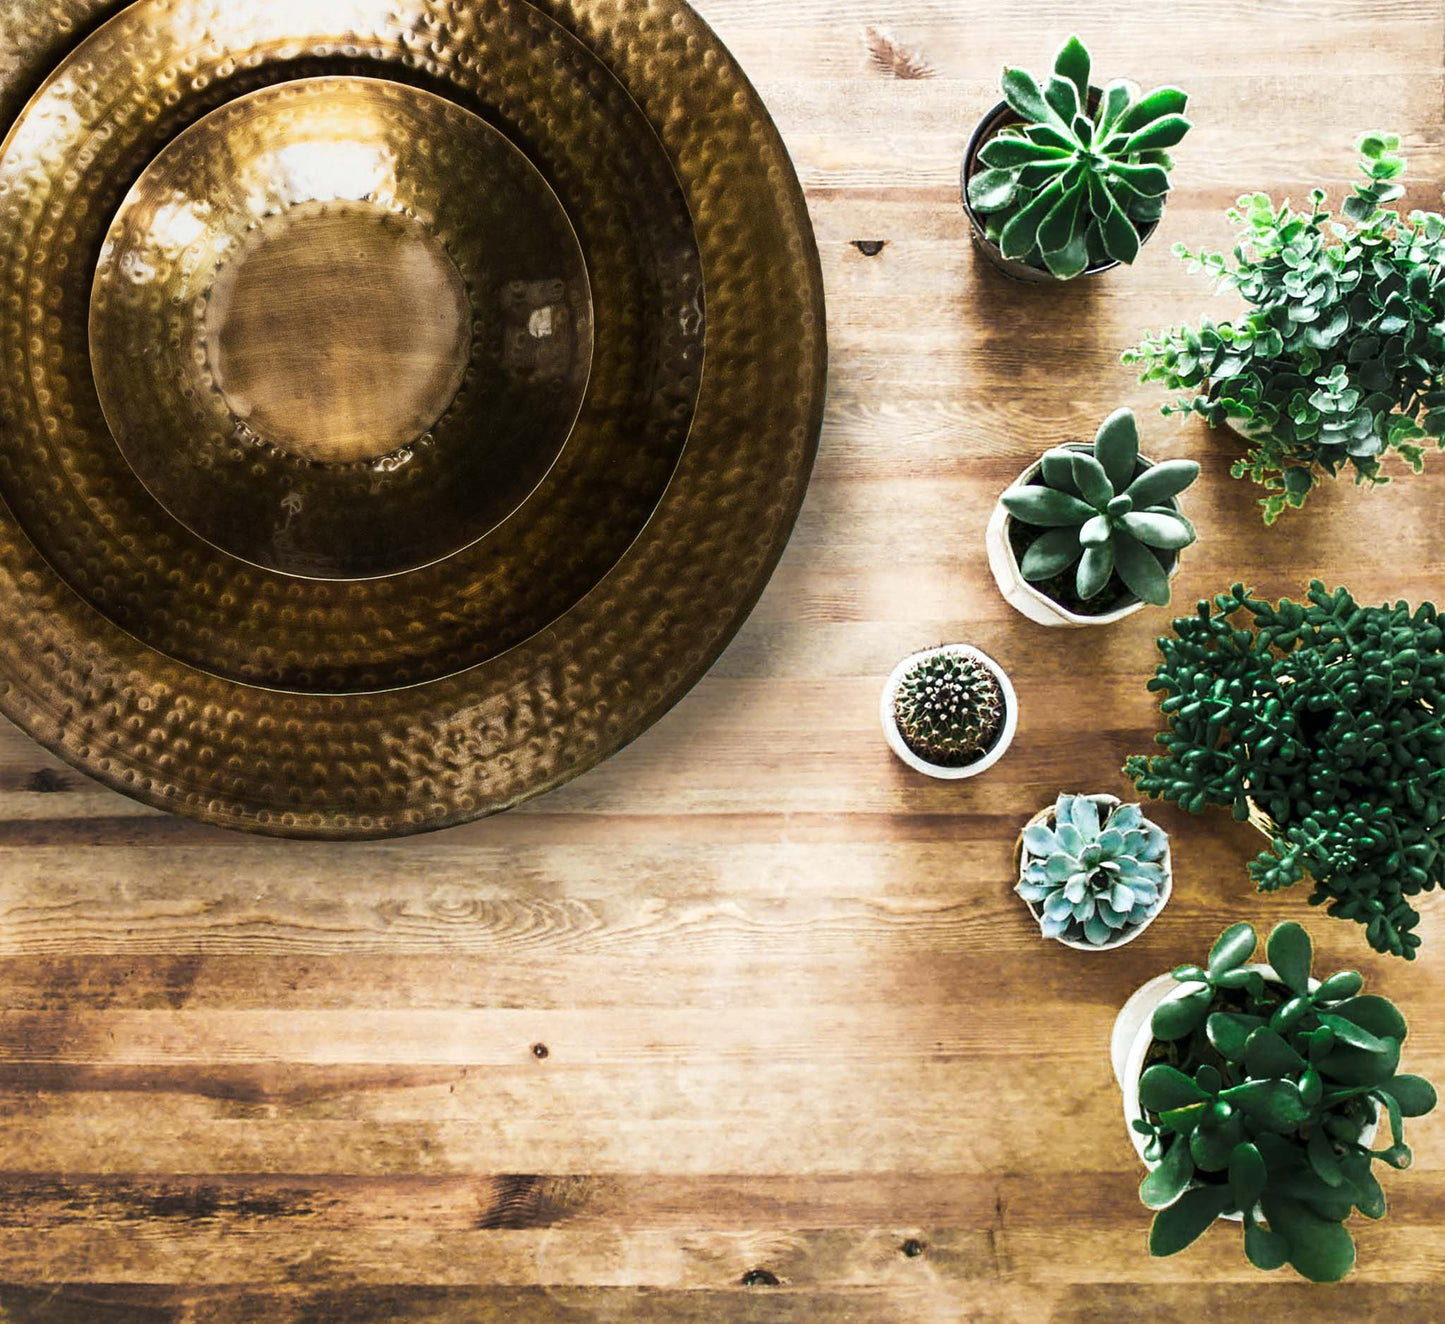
x,y
759,1278
913,1248
870,247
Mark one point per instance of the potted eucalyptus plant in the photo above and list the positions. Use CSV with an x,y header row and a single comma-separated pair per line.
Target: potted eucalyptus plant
x,y
1321,724
1093,872
1068,179
1255,1093
1090,533
949,712
1340,358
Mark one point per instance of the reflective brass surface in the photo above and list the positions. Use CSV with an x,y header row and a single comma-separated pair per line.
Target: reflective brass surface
x,y
161,635
376,320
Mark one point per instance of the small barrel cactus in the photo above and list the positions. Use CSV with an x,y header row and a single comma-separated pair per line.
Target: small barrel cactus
x,y
1092,880
949,709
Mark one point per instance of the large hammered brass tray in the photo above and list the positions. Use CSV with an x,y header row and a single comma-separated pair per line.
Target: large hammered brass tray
x,y
402,402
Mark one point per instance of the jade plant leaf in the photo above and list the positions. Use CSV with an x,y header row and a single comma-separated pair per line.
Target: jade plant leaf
x,y
1187,1219
1319,1248
1166,1183
1415,1095
1247,1176
1234,947
1291,955
1164,1087
1180,1017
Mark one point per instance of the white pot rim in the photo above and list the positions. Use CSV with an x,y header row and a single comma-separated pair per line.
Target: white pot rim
x,y
1133,1036
1022,595
900,746
1126,936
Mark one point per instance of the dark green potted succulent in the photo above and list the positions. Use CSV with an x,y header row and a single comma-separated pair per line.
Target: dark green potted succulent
x,y
1339,360
1255,1093
1088,534
1068,179
1320,723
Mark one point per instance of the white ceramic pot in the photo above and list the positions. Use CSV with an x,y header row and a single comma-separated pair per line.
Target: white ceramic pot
x,y
900,746
1107,804
1133,1036
1018,592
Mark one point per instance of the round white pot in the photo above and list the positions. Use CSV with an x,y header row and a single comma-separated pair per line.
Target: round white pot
x,y
1018,592
1107,804
900,746
1133,1036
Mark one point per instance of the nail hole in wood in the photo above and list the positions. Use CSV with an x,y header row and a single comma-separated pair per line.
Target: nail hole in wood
x,y
539,1051
759,1278
870,247
913,1248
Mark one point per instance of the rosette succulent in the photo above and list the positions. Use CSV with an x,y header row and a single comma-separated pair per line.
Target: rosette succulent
x,y
1073,184
1105,515
1340,358
949,708
1092,879
1259,1098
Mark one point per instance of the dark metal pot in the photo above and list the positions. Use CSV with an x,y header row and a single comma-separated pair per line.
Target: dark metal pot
x,y
998,118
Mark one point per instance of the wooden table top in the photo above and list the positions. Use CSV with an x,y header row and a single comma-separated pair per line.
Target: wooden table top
x,y
747,1024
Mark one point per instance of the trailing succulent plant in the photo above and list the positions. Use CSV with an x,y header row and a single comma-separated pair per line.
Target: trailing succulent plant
x,y
1322,723
1340,358
1260,1100
1101,513
1093,880
949,708
1071,186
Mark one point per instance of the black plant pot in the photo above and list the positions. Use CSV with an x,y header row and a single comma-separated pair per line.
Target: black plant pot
x,y
998,118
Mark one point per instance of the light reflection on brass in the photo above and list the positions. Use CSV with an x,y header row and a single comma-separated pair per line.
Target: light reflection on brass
x,y
310,586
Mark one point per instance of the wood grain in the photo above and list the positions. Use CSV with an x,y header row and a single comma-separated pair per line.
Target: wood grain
x,y
745,1025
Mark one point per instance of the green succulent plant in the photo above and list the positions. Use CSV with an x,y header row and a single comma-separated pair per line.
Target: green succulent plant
x,y
1341,356
1258,1098
1072,185
1092,880
1321,722
949,708
1099,511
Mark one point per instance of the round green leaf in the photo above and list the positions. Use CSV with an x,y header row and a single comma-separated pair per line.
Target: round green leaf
x,y
1095,568
1045,508
992,190
1415,1095
1154,530
1247,1176
1291,955
1051,553
1163,1088
1187,1219
1234,947
1319,1249
1140,570
1266,1250
1166,1183
1116,447
1160,483
1179,1017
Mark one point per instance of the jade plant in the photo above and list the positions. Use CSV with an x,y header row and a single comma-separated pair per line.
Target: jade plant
x,y
1260,1097
1101,515
1321,723
949,708
1339,359
1071,185
1093,879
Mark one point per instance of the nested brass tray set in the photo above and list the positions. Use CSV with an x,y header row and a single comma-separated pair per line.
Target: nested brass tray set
x,y
402,402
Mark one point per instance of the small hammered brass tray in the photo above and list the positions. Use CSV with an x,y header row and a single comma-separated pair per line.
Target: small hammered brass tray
x,y
402,402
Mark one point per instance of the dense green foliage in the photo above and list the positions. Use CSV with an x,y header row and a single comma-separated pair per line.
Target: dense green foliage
x,y
1093,880
1340,357
1070,187
949,708
1325,717
1264,1105
1100,511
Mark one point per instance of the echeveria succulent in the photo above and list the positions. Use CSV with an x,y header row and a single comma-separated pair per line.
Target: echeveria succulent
x,y
1093,879
1341,356
1102,513
949,708
1259,1097
1070,186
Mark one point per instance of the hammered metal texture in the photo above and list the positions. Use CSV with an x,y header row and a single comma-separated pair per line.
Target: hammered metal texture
x,y
341,182
113,105
163,724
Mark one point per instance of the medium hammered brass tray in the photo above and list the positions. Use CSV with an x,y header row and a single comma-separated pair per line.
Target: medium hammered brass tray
x,y
402,402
